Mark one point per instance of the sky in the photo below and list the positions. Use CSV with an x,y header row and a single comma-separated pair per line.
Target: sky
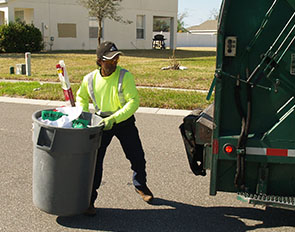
x,y
198,11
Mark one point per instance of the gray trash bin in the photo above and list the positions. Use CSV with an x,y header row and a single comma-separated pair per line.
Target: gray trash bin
x,y
63,165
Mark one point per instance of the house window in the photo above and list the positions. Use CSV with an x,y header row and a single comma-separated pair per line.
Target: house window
x,y
67,30
19,15
140,23
93,32
2,18
93,28
25,15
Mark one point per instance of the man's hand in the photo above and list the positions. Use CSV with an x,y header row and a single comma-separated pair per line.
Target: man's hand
x,y
108,122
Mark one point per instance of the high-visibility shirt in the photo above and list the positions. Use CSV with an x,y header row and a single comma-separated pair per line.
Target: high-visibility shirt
x,y
107,96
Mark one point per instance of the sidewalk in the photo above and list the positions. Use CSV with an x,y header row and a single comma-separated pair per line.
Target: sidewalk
x,y
144,110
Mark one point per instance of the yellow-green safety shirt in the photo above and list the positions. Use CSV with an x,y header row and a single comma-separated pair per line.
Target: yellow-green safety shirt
x,y
106,94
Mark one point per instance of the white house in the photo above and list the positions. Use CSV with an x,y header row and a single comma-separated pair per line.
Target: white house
x,y
66,25
203,35
208,27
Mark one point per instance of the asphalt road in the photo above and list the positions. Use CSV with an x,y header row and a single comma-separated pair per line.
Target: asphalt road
x,y
182,201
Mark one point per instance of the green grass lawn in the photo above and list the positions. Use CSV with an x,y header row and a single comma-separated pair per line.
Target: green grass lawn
x,y
145,65
148,97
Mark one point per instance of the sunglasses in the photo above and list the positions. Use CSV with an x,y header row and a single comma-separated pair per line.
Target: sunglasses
x,y
112,61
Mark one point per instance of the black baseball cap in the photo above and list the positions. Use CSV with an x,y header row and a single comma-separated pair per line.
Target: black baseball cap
x,y
107,51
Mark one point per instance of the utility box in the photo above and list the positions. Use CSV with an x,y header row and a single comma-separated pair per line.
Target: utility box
x,y
20,69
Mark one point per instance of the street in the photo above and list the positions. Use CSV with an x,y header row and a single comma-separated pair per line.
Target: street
x,y
182,201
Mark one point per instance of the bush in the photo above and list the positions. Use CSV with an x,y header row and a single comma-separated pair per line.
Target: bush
x,y
20,37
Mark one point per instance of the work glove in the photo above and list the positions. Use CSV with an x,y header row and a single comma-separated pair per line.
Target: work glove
x,y
108,122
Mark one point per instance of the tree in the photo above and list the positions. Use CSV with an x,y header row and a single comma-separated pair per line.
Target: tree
x,y
161,25
20,37
102,9
180,22
214,14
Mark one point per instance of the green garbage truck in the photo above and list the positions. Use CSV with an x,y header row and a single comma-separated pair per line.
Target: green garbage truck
x,y
246,138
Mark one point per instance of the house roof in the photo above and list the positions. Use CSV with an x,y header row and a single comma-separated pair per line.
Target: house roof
x,y
207,25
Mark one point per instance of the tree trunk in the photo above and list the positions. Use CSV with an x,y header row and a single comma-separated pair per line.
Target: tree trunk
x,y
99,35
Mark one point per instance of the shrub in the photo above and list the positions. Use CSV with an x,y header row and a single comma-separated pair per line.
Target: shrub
x,y
20,37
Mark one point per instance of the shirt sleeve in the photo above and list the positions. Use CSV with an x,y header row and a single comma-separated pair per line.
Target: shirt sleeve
x,y
82,96
131,97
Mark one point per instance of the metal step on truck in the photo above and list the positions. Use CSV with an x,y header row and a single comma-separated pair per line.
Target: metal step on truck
x,y
246,138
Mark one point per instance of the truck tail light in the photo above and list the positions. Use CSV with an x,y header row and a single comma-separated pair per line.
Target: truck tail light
x,y
228,149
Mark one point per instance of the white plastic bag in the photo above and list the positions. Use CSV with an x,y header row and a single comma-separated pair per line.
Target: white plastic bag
x,y
66,120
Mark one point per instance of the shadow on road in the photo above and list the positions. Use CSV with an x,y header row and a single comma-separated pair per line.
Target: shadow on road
x,y
181,217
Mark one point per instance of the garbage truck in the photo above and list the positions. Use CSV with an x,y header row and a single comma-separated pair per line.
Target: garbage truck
x,y
246,138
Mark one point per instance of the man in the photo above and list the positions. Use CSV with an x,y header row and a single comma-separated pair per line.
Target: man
x,y
115,98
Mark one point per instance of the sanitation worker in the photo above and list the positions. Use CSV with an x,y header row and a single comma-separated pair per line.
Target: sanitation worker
x,y
115,98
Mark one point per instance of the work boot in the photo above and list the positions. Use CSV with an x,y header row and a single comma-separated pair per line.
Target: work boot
x,y
91,211
145,193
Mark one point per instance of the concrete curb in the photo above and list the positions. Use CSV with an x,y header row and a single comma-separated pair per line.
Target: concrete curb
x,y
144,110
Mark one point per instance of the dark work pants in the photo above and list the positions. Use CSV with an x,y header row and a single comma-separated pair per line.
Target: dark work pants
x,y
128,136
